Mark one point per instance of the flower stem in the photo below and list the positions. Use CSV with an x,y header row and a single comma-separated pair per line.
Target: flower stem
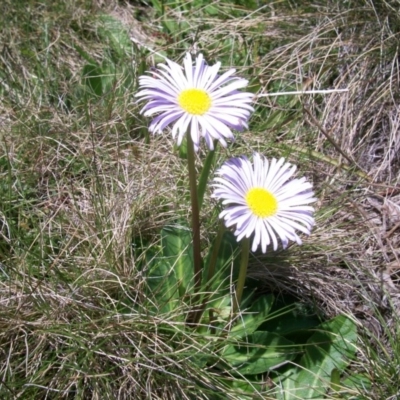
x,y
211,271
244,261
195,214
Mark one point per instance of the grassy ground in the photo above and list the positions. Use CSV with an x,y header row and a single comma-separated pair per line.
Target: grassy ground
x,y
82,183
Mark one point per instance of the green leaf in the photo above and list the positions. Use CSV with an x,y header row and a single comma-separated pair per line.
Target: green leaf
x,y
182,151
99,78
85,55
335,380
244,389
177,248
162,286
158,5
109,77
227,263
332,346
115,34
92,76
253,317
210,9
259,353
357,383
221,309
291,319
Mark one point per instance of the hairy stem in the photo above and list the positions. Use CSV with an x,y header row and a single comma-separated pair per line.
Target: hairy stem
x,y
244,261
211,270
195,214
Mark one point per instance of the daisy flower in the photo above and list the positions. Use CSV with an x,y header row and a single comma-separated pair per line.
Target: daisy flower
x,y
198,97
263,200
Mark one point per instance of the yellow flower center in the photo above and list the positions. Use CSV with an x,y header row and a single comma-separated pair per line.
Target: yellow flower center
x,y
194,101
261,202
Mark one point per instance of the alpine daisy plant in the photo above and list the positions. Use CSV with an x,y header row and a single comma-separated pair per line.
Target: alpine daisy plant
x,y
262,200
197,98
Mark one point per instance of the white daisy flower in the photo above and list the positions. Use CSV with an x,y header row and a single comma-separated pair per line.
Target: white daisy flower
x,y
263,200
197,96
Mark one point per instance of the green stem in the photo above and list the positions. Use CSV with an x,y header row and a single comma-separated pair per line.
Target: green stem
x,y
244,262
211,270
195,214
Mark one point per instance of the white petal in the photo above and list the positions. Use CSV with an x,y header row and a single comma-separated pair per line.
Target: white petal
x,y
239,175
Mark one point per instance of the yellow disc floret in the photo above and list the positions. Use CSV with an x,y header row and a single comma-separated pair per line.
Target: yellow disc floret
x,y
261,202
194,101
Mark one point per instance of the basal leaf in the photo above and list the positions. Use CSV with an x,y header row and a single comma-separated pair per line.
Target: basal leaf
x,y
99,78
335,380
358,383
177,249
162,286
259,352
244,389
227,263
253,317
115,34
92,76
331,346
291,319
